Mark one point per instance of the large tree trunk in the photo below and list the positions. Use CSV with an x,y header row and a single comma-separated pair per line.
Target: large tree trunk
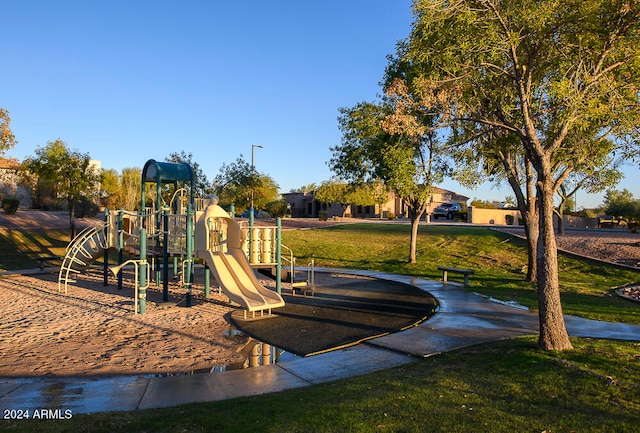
x,y
527,204
413,242
72,219
553,332
532,233
560,214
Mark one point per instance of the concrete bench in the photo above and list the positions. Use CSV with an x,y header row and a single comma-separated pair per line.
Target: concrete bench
x,y
45,259
465,272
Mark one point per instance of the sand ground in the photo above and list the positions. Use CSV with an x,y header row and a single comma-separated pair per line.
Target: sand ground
x,y
92,329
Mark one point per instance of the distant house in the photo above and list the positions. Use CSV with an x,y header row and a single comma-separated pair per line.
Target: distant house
x,y
304,205
11,183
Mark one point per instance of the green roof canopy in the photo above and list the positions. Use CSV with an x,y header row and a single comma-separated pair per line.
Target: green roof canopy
x,y
166,172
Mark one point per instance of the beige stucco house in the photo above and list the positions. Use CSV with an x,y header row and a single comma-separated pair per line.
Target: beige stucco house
x,y
11,183
304,204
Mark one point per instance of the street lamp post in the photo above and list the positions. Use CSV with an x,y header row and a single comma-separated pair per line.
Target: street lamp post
x,y
253,169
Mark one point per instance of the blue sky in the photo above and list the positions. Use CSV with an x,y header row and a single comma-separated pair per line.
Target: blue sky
x,y
129,81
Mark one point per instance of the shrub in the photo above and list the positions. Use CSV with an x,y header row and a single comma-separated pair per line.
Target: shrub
x,y
49,204
86,208
323,215
262,215
391,215
277,208
10,205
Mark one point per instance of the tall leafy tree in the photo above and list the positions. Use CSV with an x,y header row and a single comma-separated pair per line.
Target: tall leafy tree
x,y
201,183
122,190
305,188
487,155
237,183
622,205
336,190
67,173
130,188
373,193
546,72
392,141
7,139
110,188
592,178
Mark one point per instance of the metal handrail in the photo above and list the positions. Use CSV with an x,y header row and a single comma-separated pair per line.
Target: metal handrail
x,y
311,274
136,263
292,260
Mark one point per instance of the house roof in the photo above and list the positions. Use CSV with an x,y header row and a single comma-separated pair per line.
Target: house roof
x,y
9,163
437,189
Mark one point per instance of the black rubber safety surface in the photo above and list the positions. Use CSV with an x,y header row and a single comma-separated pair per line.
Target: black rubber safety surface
x,y
343,310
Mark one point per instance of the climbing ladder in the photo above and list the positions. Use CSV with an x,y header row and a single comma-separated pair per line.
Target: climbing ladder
x,y
83,250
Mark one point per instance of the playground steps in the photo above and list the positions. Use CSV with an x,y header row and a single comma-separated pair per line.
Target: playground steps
x,y
286,277
83,250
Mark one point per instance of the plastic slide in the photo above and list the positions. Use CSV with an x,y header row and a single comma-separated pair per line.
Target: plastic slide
x,y
230,283
239,283
228,262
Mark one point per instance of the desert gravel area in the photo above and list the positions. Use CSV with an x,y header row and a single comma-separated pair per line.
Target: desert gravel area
x,y
615,246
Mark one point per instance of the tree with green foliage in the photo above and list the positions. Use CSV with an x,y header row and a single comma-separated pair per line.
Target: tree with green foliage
x,y
131,188
7,139
548,73
369,194
592,178
336,191
68,174
122,190
238,182
277,208
496,157
392,141
110,187
623,206
201,183
305,188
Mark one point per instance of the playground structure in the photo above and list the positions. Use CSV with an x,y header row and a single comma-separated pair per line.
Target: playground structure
x,y
185,230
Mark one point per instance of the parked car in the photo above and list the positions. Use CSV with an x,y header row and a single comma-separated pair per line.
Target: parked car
x,y
247,213
447,210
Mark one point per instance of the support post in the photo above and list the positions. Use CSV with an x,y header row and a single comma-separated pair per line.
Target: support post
x,y
105,257
165,255
120,246
188,277
254,358
142,291
250,229
207,281
279,256
266,354
156,266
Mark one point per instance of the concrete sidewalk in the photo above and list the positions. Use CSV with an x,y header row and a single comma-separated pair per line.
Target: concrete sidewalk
x,y
463,319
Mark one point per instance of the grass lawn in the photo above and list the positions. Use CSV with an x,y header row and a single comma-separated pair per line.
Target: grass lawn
x,y
20,248
497,387
499,262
